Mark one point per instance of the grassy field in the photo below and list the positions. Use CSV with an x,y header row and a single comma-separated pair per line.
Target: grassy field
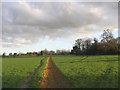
x,y
15,70
89,72
80,71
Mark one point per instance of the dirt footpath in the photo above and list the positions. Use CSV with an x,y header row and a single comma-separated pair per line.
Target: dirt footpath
x,y
52,77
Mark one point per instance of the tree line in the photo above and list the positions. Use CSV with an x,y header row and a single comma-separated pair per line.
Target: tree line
x,y
108,45
42,52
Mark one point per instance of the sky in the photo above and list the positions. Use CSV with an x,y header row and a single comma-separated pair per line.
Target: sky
x,y
34,26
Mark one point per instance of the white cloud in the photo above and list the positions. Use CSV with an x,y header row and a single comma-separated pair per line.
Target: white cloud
x,y
26,23
18,45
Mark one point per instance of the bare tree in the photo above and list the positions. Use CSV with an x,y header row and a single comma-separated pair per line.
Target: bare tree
x,y
3,55
10,54
15,54
106,36
88,43
78,43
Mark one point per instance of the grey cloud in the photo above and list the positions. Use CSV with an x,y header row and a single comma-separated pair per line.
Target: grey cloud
x,y
33,21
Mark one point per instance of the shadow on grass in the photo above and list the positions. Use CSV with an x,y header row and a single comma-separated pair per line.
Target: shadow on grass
x,y
90,61
93,81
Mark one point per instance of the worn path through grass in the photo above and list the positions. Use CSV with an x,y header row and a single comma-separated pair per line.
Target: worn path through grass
x,y
52,77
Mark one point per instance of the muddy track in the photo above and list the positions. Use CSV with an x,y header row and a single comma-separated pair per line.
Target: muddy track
x,y
52,77
26,83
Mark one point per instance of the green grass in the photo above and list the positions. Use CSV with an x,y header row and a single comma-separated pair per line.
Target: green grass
x,y
15,70
89,72
34,83
81,71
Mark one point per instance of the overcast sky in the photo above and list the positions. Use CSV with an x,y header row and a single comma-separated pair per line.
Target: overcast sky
x,y
54,25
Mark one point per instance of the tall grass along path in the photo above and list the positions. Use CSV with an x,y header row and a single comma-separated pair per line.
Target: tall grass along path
x,y
52,77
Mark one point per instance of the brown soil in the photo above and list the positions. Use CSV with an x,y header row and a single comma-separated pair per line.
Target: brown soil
x,y
52,77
